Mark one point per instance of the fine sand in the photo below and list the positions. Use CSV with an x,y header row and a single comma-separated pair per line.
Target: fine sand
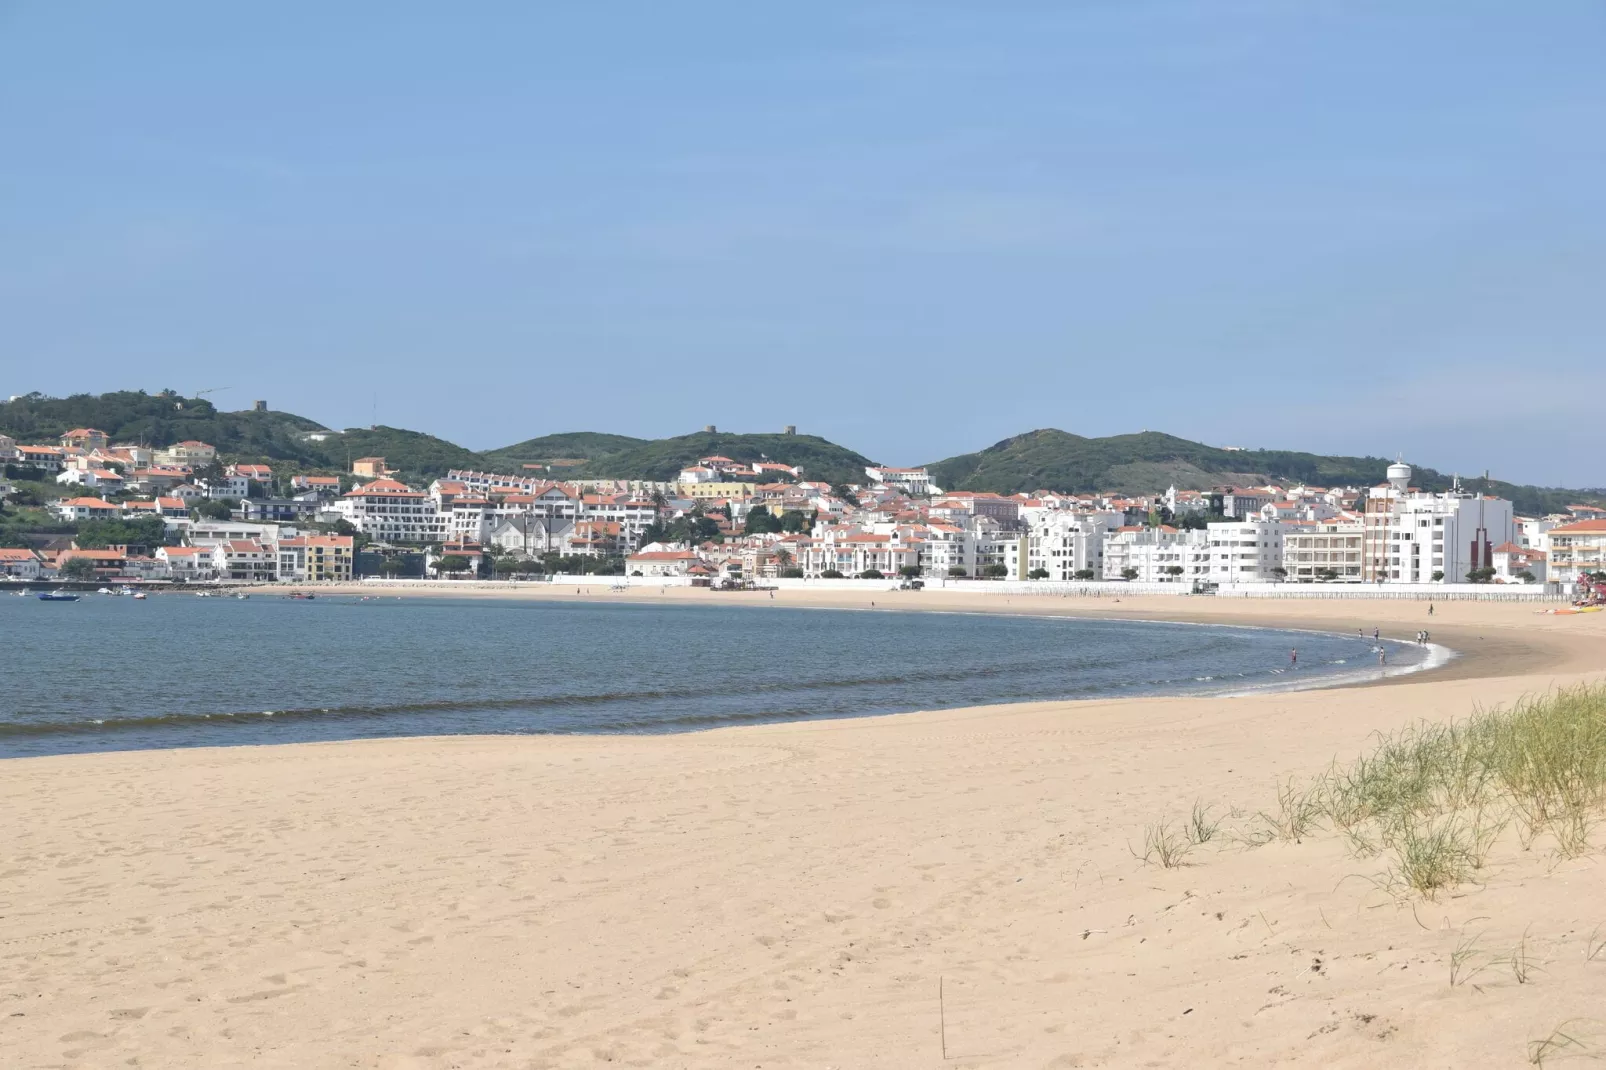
x,y
948,888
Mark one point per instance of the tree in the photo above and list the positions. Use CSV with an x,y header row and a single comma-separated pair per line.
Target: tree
x,y
1480,575
761,521
830,574
1129,574
1173,570
99,534
1280,572
783,558
1037,574
1327,575
451,563
909,572
78,568
1526,576
1198,521
995,572
1437,576
794,521
215,509
957,573
845,492
1083,574
791,573
872,574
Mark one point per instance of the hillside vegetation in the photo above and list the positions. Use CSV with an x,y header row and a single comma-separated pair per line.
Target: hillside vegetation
x,y
157,420
1051,459
1047,459
663,459
573,445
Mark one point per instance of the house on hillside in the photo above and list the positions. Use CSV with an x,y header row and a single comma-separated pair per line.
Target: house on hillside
x,y
85,438
19,564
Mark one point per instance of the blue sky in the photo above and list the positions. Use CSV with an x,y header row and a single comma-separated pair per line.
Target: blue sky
x,y
914,228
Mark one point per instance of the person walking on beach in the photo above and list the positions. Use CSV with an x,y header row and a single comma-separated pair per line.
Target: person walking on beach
x,y
1430,609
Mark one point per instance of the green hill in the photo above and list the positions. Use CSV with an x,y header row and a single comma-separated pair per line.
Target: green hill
x,y
133,416
413,455
1050,459
663,459
1047,459
575,445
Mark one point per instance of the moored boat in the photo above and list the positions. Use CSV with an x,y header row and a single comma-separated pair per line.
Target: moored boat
x,y
54,596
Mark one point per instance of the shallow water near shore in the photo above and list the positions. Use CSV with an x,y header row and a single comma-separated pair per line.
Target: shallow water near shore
x,y
112,673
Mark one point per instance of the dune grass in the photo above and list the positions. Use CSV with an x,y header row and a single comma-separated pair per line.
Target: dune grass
x,y
1436,797
1165,845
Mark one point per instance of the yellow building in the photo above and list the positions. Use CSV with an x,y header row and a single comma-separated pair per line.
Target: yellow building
x,y
716,490
369,467
317,557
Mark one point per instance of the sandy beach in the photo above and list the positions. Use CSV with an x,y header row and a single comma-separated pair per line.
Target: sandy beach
x,y
945,888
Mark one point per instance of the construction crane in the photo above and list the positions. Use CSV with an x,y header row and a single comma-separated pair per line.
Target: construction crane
x,y
179,404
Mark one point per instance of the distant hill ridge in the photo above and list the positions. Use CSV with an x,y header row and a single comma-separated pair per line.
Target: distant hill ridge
x,y
1045,459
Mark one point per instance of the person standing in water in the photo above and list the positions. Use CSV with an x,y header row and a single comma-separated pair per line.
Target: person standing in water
x,y
1293,658
1382,656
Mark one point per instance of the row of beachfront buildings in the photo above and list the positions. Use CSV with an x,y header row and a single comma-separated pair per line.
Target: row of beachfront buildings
x,y
1389,534
896,521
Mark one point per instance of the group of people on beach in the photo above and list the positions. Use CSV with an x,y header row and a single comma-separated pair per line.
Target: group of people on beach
x,y
1422,637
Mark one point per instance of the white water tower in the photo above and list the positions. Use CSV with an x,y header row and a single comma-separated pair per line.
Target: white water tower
x,y
1400,476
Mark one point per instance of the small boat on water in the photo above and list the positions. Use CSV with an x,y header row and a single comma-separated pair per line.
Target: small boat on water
x,y
302,596
241,595
105,590
54,596
139,594
205,594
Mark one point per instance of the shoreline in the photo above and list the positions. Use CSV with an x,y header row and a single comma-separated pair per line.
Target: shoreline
x,y
1326,677
790,894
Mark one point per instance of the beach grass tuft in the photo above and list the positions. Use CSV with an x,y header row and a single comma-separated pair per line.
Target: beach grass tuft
x,y
1202,825
1165,845
1567,1040
1467,961
1436,797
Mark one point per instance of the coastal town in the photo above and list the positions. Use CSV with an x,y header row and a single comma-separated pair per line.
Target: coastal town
x,y
136,514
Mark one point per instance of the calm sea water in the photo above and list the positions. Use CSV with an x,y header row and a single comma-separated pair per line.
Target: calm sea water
x,y
112,673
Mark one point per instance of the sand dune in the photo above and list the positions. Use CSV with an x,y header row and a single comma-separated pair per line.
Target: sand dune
x,y
788,895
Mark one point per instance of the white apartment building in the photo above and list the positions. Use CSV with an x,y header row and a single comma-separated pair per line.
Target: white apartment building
x,y
915,481
213,532
1533,532
390,511
191,563
1064,543
947,547
1324,549
1157,555
1575,549
1246,551
1415,537
850,551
